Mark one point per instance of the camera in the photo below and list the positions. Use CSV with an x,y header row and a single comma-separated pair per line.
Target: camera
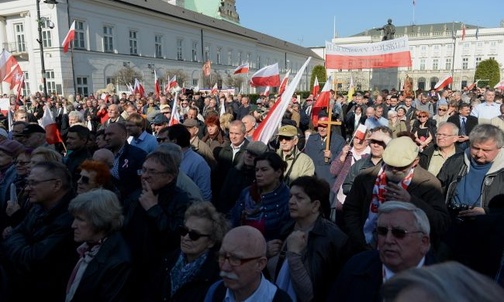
x,y
456,208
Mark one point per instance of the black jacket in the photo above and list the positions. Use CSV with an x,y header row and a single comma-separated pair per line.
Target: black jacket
x,y
106,276
130,162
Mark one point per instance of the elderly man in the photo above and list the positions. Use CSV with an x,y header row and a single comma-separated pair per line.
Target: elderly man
x,y
34,136
434,156
398,177
377,119
250,125
114,115
298,163
474,186
40,253
242,258
159,122
402,232
135,126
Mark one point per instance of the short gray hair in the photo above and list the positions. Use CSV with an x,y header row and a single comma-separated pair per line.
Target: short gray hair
x,y
78,115
101,207
173,150
484,132
166,160
421,220
454,128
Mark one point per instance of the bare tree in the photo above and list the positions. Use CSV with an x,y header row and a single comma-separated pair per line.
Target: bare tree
x,y
182,77
127,75
234,81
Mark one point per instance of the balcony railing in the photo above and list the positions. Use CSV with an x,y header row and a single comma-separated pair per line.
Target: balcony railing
x,y
15,48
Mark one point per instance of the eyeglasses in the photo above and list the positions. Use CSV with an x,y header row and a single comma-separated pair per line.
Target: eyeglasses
x,y
374,141
161,139
84,179
234,260
150,172
396,232
442,109
422,116
21,163
193,235
33,183
444,135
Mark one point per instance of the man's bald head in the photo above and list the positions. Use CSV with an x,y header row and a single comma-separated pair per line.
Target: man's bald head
x,y
104,155
247,240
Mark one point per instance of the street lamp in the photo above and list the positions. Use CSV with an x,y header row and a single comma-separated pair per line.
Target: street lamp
x,y
41,43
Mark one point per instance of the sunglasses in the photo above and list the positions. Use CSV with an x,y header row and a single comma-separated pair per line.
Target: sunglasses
x,y
193,235
84,179
396,232
422,116
440,109
287,138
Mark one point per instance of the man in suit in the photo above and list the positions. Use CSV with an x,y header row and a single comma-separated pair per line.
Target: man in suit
x,y
402,232
465,122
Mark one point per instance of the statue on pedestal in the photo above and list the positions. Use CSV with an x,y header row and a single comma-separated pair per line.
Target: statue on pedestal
x,y
388,30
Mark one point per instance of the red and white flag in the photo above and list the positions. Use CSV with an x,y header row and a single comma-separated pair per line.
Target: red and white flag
x,y
47,121
266,76
130,88
13,76
463,31
322,101
243,68
499,85
20,85
285,82
360,133
270,124
70,36
266,91
384,54
316,88
215,89
7,62
175,116
138,88
447,80
172,83
157,87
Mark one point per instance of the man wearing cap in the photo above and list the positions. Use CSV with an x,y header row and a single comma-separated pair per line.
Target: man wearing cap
x,y
159,122
298,163
400,178
197,145
316,150
34,136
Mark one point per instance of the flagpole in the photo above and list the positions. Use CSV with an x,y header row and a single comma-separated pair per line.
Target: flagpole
x,y
414,9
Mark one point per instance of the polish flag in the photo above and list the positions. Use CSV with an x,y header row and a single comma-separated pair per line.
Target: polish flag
x,y
499,85
13,75
463,31
70,36
266,91
243,68
172,83
266,76
138,88
360,133
157,88
215,89
53,134
285,82
7,61
20,85
130,88
447,80
271,122
316,88
175,116
322,101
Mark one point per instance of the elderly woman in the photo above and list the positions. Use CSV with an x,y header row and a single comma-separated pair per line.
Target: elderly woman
x,y
189,271
423,129
104,265
442,113
215,136
94,175
395,124
264,204
313,248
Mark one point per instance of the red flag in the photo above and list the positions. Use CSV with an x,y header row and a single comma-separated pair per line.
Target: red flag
x,y
7,61
447,80
207,68
266,76
316,88
70,36
175,117
243,68
266,91
157,88
270,124
463,31
360,133
21,84
173,82
138,88
322,101
285,82
215,89
13,76
53,134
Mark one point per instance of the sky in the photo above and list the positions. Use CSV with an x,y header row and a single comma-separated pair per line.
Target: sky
x,y
311,23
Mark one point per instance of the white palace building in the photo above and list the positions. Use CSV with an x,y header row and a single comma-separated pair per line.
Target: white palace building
x,y
437,50
146,35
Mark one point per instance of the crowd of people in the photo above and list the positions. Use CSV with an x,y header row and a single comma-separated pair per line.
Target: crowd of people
x,y
369,203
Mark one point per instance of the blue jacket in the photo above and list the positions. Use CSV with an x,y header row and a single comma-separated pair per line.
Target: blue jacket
x,y
315,150
273,210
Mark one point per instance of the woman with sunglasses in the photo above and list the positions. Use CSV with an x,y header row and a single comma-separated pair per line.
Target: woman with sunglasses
x,y
94,175
313,249
423,129
191,270
442,113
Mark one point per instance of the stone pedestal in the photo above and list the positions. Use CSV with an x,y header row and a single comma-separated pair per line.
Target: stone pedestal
x,y
385,78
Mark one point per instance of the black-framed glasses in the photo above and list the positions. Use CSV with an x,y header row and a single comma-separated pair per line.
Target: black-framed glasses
x,y
33,183
150,172
234,260
84,179
396,232
193,235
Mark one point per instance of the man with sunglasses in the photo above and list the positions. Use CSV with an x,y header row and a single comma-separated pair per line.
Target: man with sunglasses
x,y
242,258
400,178
403,241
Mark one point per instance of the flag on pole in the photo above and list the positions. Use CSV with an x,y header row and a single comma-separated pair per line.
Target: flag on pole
x,y
463,31
20,84
243,68
138,88
207,68
172,83
271,122
13,76
7,61
285,82
447,80
215,89
360,133
130,88
175,117
157,87
266,76
53,134
70,36
316,88
322,101
266,91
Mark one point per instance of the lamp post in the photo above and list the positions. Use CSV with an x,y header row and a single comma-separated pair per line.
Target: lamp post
x,y
41,43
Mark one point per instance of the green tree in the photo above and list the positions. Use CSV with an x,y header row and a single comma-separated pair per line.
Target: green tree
x,y
320,72
488,70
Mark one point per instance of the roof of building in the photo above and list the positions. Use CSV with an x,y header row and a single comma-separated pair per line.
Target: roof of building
x,y
419,29
218,24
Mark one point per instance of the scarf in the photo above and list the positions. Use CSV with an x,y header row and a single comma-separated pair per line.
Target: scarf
x,y
377,198
182,272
